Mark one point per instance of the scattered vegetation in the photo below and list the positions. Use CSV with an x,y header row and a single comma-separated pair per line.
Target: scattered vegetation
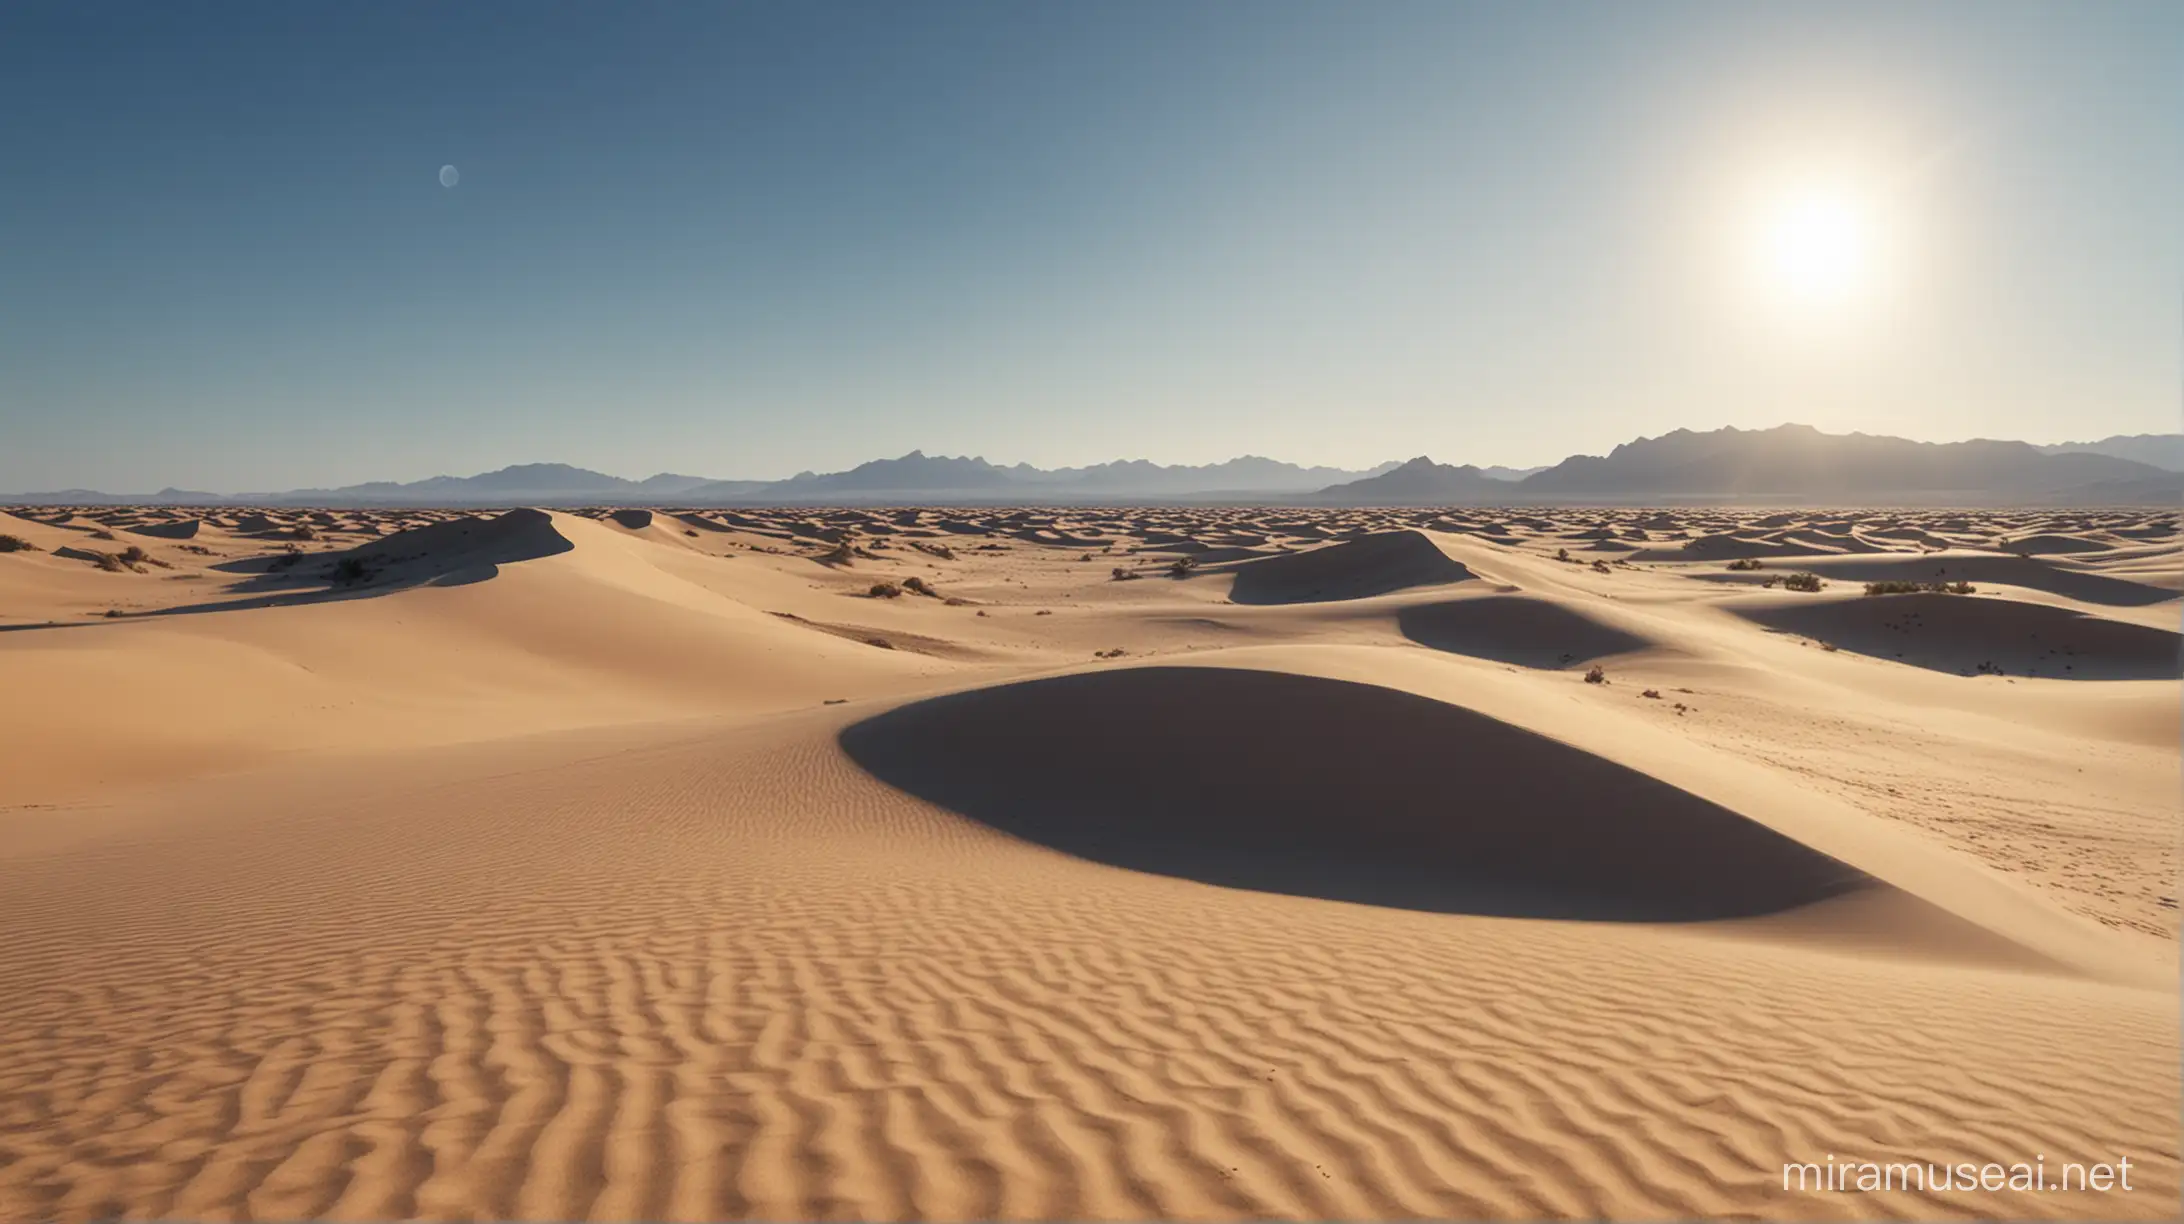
x,y
1898,586
109,562
132,555
942,551
884,590
1747,563
1181,567
349,571
1803,582
1123,573
12,543
1653,693
1602,567
1563,554
1598,675
916,586
1116,653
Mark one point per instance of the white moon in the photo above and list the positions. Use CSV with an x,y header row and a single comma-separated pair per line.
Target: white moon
x,y
449,176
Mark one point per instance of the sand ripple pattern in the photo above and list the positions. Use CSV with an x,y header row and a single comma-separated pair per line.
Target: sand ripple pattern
x,y
732,977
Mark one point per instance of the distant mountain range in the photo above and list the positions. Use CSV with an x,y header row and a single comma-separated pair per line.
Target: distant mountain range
x,y
2165,451
1791,463
1788,462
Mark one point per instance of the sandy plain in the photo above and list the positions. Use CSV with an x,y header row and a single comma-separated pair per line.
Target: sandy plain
x,y
1083,863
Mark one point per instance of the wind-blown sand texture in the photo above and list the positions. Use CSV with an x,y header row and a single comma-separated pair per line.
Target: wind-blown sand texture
x,y
692,864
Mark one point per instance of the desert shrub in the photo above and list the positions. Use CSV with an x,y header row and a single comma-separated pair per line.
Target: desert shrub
x,y
916,585
1598,675
1746,563
1803,582
11,543
1116,653
1653,693
108,562
884,590
1182,566
1123,573
1899,586
132,555
1563,554
350,569
1602,567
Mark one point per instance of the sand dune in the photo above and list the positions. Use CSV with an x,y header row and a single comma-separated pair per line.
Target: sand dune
x,y
1967,633
1297,784
551,866
1516,629
1369,565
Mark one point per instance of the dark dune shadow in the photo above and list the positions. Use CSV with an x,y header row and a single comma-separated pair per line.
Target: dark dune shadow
x,y
1375,564
1969,634
457,552
1515,629
1324,788
2028,572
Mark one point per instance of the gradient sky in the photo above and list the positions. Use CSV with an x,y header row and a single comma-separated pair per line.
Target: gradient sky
x,y
743,240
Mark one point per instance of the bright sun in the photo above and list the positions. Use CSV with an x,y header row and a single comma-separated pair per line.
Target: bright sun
x,y
1817,248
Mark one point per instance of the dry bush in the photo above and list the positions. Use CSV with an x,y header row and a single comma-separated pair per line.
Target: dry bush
x,y
1746,563
12,543
1598,675
1898,586
1803,582
884,590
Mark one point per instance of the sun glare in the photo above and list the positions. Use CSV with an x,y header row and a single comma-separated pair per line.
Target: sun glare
x,y
1818,249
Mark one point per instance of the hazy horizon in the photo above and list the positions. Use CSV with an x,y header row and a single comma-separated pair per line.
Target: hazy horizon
x,y
746,241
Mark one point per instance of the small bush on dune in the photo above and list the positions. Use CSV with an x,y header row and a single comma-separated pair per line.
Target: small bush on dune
x,y
132,555
10,543
884,590
1598,675
350,570
1898,586
916,585
1123,573
1746,563
1181,567
1804,582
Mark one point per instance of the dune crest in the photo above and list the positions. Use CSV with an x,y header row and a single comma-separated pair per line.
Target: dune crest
x,y
1375,564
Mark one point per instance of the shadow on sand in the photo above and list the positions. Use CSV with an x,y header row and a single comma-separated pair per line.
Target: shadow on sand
x,y
454,553
1325,788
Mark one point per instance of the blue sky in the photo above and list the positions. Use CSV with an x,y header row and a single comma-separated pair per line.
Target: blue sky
x,y
744,240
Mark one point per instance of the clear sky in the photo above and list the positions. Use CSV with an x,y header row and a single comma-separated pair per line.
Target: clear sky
x,y
742,240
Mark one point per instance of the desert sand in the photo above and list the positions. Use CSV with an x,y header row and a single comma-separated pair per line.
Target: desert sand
x,y
1119,863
